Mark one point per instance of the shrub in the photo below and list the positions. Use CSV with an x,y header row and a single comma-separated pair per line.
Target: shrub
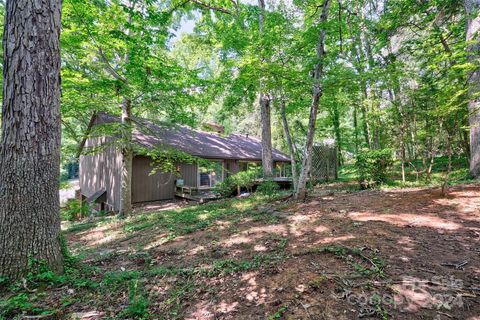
x,y
75,210
225,188
372,167
245,179
268,188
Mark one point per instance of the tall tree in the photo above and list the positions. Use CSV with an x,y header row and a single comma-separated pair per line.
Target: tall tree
x,y
318,73
30,141
472,8
265,105
117,60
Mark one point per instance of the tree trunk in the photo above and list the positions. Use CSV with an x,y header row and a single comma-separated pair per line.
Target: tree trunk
x,y
291,147
449,168
127,159
472,8
316,95
265,114
127,143
30,140
338,134
363,109
265,110
355,126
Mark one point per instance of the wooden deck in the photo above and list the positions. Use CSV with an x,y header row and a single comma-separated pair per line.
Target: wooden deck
x,y
200,195
276,179
204,194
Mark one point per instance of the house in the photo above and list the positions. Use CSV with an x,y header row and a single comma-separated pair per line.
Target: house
x,y
100,171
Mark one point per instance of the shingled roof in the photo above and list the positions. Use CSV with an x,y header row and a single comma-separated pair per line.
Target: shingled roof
x,y
194,142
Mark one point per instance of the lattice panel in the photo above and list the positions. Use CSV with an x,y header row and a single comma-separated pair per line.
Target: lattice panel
x,y
324,163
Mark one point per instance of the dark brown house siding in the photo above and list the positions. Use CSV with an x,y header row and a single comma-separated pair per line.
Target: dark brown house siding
x,y
146,187
189,174
231,167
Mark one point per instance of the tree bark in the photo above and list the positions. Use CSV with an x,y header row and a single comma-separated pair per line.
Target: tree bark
x,y
30,140
291,146
472,7
265,109
127,141
301,192
338,134
355,126
449,168
127,159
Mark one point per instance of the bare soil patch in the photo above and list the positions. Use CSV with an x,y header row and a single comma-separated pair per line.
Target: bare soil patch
x,y
381,254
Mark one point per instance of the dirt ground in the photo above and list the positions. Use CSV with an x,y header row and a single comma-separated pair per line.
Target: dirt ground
x,y
394,254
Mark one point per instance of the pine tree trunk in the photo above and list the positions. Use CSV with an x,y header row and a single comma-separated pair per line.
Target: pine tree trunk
x,y
30,140
301,192
127,159
265,110
472,8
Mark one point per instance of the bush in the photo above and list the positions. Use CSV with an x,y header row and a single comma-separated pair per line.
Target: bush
x,y
268,188
225,188
244,179
372,167
75,210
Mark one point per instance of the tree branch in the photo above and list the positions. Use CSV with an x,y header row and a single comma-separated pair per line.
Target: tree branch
x,y
211,7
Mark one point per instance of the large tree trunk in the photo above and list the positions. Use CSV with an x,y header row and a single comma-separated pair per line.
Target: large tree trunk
x,y
301,192
127,142
265,110
291,146
127,159
472,7
30,140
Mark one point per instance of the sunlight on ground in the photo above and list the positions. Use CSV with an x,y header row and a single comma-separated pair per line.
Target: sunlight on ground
x,y
158,241
254,233
328,240
407,219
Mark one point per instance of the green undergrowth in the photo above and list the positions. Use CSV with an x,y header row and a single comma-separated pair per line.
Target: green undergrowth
x,y
187,220
415,174
43,293
30,297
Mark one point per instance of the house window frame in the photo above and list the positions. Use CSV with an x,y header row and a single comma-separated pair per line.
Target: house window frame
x,y
222,162
256,162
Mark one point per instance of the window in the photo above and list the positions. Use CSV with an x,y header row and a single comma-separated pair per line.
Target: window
x,y
282,170
209,176
247,166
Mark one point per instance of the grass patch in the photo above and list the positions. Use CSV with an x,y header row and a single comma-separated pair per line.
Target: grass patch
x,y
187,220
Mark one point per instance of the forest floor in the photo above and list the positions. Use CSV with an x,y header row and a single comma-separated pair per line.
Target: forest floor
x,y
378,254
